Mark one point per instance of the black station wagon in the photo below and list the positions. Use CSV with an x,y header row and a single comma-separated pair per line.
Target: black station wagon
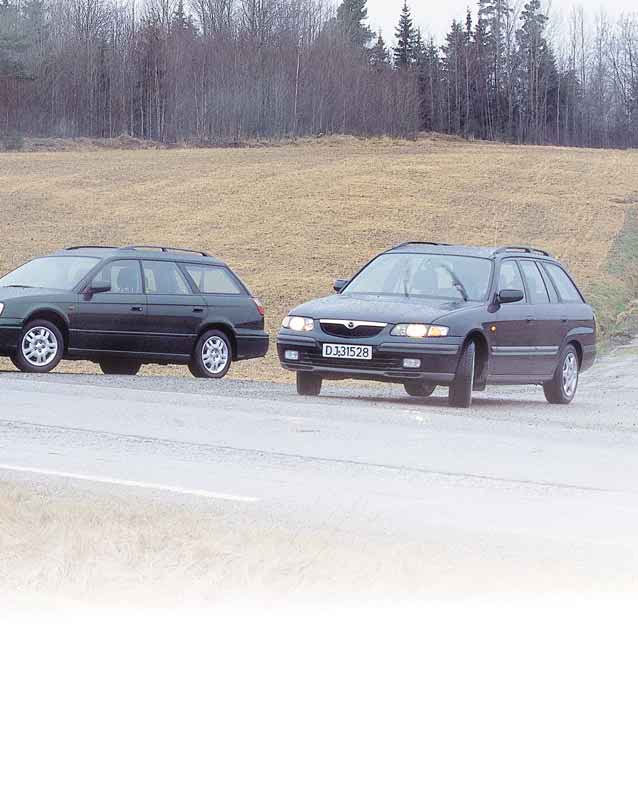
x,y
427,314
124,307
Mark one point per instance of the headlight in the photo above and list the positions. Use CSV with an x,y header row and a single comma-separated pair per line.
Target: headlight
x,y
419,330
1,308
295,323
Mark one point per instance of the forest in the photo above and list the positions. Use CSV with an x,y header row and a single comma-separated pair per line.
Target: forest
x,y
229,71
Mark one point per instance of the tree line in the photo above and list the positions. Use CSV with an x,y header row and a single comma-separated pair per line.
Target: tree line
x,y
224,71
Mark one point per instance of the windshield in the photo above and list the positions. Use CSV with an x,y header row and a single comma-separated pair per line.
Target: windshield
x,y
55,273
425,276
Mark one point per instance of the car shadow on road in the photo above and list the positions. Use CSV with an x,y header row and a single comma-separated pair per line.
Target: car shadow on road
x,y
438,401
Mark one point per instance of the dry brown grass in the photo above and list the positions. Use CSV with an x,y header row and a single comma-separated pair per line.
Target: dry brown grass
x,y
292,218
95,547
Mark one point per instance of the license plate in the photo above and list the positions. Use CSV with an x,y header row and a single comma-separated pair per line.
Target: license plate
x,y
347,351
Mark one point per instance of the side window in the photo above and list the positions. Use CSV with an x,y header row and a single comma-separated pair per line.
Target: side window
x,y
564,284
549,284
123,275
164,278
212,279
510,277
537,291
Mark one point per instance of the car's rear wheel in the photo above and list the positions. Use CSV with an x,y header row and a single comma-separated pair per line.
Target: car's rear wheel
x,y
212,356
461,388
419,388
40,347
562,388
308,384
119,367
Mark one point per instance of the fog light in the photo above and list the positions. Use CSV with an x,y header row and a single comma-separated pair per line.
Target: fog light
x,y
413,363
291,356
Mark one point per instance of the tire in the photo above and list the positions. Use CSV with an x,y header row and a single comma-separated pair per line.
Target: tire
x,y
308,384
562,388
119,367
419,389
212,356
40,347
461,388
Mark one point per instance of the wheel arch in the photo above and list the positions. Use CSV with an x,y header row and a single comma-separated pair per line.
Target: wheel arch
x,y
52,316
579,350
482,355
228,330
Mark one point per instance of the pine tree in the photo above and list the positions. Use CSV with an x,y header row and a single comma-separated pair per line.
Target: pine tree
x,y
405,36
378,53
351,17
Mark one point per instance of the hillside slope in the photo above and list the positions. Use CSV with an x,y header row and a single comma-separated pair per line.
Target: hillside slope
x,y
291,218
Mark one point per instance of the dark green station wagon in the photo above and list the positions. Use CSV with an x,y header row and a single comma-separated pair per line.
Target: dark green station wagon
x,y
124,307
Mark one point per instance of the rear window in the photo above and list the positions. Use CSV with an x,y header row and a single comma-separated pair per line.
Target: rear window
x,y
566,289
213,279
537,290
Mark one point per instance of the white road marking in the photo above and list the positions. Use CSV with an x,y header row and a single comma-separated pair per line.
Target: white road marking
x,y
139,484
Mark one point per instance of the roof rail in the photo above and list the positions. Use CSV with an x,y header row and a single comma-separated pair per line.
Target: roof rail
x,y
88,245
420,243
525,249
166,249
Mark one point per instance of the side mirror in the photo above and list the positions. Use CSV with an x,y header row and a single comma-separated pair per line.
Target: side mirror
x,y
98,287
340,284
510,296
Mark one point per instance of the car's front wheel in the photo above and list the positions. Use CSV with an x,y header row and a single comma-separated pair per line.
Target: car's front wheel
x,y
212,356
419,388
308,384
562,388
119,367
461,387
40,347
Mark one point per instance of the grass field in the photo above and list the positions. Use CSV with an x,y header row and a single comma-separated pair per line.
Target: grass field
x,y
290,218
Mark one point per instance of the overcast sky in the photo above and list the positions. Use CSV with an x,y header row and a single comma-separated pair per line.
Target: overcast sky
x,y
435,17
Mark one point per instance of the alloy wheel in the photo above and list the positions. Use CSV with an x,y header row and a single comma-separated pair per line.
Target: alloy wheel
x,y
39,346
570,374
215,354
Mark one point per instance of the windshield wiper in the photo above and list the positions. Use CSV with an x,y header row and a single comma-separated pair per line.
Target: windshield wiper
x,y
457,282
462,290
26,286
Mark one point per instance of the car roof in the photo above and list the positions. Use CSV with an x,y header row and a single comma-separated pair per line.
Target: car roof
x,y
426,247
160,253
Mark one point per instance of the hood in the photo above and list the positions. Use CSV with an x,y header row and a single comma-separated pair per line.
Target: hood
x,y
378,308
38,293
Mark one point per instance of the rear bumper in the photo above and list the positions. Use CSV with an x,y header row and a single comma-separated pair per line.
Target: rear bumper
x,y
589,356
9,335
252,346
438,360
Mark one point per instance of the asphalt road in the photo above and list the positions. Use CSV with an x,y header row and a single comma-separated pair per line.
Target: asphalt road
x,y
512,472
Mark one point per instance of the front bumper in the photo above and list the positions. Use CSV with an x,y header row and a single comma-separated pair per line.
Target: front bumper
x,y
438,359
9,334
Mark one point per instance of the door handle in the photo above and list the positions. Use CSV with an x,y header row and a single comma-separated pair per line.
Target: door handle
x,y
530,319
137,309
563,320
198,309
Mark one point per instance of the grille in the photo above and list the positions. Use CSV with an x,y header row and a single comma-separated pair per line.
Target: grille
x,y
383,362
358,332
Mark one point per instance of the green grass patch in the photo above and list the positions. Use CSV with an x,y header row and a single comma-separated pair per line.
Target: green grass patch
x,y
615,296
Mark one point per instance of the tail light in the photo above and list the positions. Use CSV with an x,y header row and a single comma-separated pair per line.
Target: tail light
x,y
260,308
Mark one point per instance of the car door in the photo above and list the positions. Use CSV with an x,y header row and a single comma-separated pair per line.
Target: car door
x,y
546,336
512,335
175,313
113,320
